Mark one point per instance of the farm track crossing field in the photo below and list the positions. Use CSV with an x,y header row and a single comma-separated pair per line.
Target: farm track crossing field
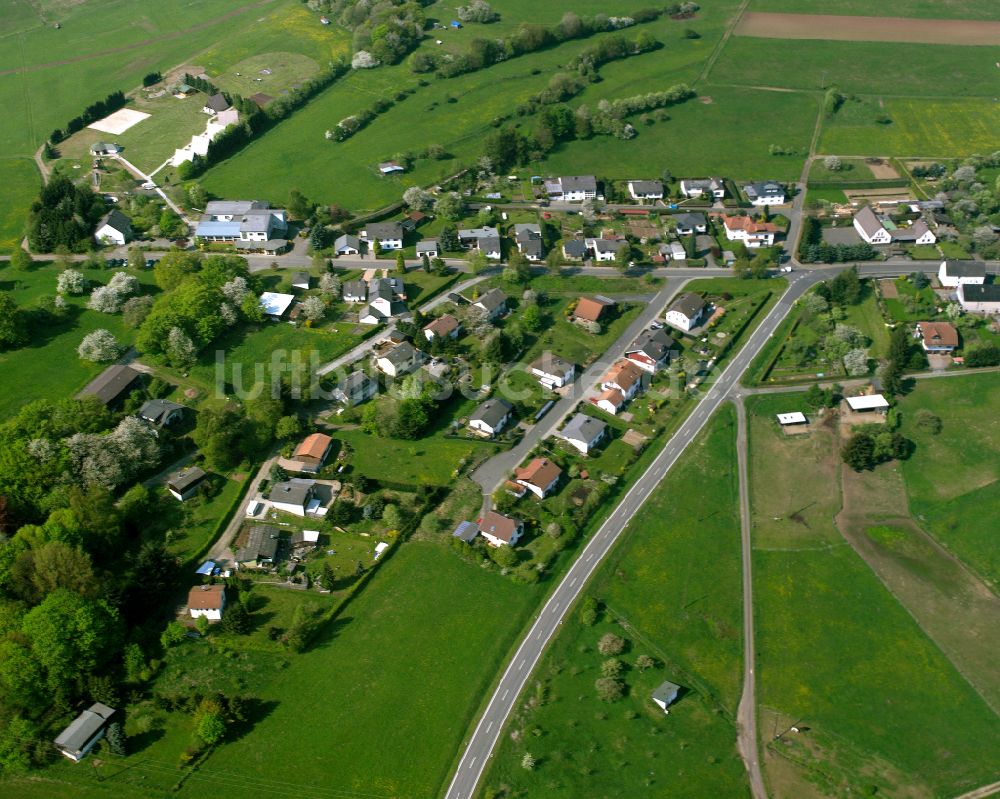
x,y
868,29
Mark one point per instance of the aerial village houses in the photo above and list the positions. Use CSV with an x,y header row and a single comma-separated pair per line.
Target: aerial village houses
x,y
485,239
984,298
767,193
260,549
313,451
552,371
752,234
112,385
295,496
428,247
690,223
494,302
445,326
500,530
937,337
645,190
540,477
275,304
161,413
874,230
492,416
584,433
953,274
573,189
400,360
624,376
592,309
651,350
528,237
713,187
665,695
346,244
208,601
249,224
184,484
83,733
605,249
388,235
113,228
215,104
687,312
385,300
355,388
574,249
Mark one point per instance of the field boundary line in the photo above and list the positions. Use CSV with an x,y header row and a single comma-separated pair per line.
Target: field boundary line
x,y
703,77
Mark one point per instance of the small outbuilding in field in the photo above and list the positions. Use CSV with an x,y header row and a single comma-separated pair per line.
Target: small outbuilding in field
x,y
868,403
666,694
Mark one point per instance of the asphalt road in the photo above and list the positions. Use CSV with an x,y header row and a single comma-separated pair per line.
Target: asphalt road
x,y
479,747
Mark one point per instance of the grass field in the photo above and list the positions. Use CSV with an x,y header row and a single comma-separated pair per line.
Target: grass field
x,y
20,180
688,619
836,651
953,478
49,367
871,68
850,171
919,127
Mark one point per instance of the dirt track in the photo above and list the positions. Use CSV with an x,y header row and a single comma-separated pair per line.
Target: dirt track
x,y
868,29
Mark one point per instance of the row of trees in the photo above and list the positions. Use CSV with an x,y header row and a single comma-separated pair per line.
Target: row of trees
x,y
91,113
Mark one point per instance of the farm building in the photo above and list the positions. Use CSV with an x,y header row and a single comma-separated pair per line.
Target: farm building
x,y
208,601
84,732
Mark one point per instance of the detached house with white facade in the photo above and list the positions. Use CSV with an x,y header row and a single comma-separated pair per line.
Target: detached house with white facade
x,y
645,190
572,189
687,312
767,193
703,187
388,235
250,224
877,230
953,274
752,234
528,237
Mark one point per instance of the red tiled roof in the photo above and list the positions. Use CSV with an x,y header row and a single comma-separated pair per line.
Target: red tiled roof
x,y
540,472
313,446
589,309
206,597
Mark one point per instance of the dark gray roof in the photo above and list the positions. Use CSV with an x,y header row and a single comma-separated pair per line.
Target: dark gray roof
x,y
262,543
492,411
117,220
401,354
965,268
526,231
646,186
666,692
84,727
869,221
300,277
768,188
584,428
110,384
575,248
217,103
233,207
609,245
466,531
492,299
552,364
157,410
654,343
346,240
988,292
428,245
381,289
293,492
689,304
354,381
355,288
691,220
383,230
531,247
185,478
578,183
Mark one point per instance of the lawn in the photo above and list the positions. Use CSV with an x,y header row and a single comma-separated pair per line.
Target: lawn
x,y
919,127
837,653
190,526
867,68
21,182
851,171
687,619
48,367
570,341
953,478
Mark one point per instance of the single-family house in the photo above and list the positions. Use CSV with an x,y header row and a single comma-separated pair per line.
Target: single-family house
x,y
953,274
293,496
445,326
428,247
690,223
385,300
500,530
870,227
354,389
215,104
388,235
574,249
665,695
606,249
354,291
675,249
300,280
699,187
592,309
275,304
346,244
184,484
313,451
572,189
937,337
539,477
161,412
651,350
111,385
113,228
494,302
208,601
485,239
389,167
466,531
261,546
100,148
400,360
611,400
752,234
84,731
492,416
552,371
768,193
916,233
979,298
584,432
624,376
528,237
645,190
687,311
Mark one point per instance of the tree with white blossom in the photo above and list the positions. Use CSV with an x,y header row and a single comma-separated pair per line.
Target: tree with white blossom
x,y
99,346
